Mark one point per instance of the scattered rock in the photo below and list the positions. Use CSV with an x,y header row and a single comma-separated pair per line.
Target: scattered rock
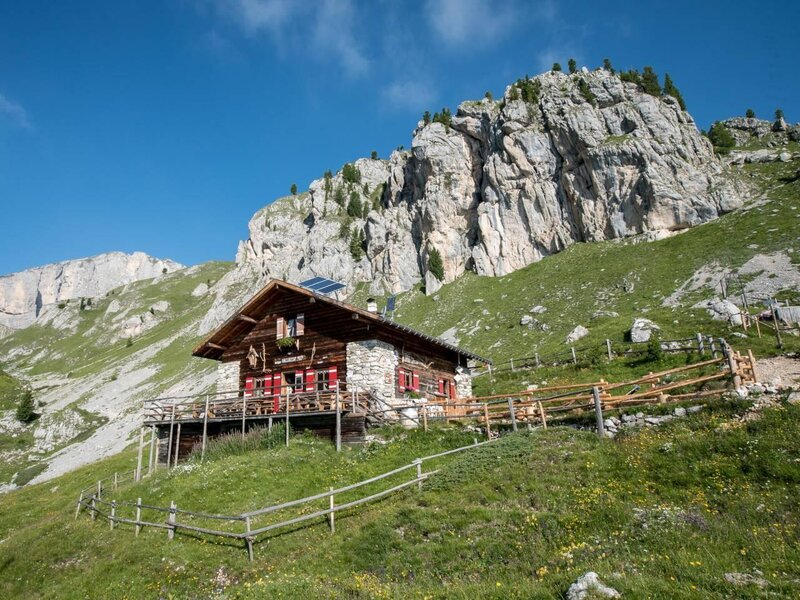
x,y
793,398
599,314
200,291
526,320
723,310
589,586
538,309
679,412
579,332
741,579
642,330
160,306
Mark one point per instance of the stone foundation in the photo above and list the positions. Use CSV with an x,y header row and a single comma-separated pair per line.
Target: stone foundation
x,y
372,367
228,376
463,385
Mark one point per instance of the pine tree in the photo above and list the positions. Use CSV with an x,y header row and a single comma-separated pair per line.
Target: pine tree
x,y
671,90
328,186
587,94
778,114
338,196
435,265
25,407
650,83
357,241
293,189
374,155
426,118
351,174
750,113
488,96
556,68
354,207
607,65
572,66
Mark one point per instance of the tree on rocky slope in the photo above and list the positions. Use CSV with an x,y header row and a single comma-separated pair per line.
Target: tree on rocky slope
x,y
607,65
556,67
671,90
572,66
721,138
750,113
25,407
435,265
650,83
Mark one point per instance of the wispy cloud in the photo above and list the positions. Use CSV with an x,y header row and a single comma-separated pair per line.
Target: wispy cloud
x,y
327,28
14,113
473,22
412,95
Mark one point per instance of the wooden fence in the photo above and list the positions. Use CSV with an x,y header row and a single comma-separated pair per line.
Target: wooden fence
x,y
700,343
250,529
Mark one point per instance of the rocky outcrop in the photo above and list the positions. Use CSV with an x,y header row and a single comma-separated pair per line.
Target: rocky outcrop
x,y
745,130
25,295
504,184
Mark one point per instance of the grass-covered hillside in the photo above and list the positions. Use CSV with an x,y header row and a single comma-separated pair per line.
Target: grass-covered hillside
x,y
658,513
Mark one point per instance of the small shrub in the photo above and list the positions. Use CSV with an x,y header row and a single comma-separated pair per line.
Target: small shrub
x,y
445,118
357,243
435,265
25,407
488,96
338,196
374,155
285,343
631,76
129,342
164,271
654,352
426,117
556,67
671,90
587,94
355,208
778,114
258,438
529,89
62,305
293,189
607,65
328,184
721,138
750,113
650,83
344,230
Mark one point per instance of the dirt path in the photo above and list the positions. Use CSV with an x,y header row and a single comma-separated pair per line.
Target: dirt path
x,y
780,371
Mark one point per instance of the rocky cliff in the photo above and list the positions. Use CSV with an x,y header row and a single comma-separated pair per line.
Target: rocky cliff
x,y
559,159
24,295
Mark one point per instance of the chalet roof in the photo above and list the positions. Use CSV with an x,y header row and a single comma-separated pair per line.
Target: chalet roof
x,y
242,322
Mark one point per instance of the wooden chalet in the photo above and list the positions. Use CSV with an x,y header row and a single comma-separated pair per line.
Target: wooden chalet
x,y
296,355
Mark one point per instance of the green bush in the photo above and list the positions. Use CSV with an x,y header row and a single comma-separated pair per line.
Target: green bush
x,y
778,114
631,76
338,196
351,174
435,265
354,207
721,138
654,352
357,243
607,65
344,229
445,117
750,113
293,189
650,83
529,90
488,96
587,94
374,155
25,407
426,117
556,67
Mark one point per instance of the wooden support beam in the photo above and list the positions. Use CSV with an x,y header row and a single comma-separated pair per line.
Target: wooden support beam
x,y
246,319
138,475
177,445
542,415
205,431
216,346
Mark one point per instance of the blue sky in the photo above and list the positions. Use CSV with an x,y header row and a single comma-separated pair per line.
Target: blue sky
x,y
162,126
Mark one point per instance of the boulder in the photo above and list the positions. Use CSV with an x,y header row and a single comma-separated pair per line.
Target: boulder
x,y
200,291
579,332
723,310
642,329
589,586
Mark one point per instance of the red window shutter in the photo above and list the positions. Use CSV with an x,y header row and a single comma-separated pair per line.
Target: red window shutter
x,y
333,377
309,380
452,387
415,381
280,328
248,387
401,380
440,386
300,324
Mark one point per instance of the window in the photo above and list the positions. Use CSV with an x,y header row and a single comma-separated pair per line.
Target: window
x,y
321,380
408,380
290,326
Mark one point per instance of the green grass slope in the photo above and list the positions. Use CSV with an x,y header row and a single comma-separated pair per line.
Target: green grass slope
x,y
659,513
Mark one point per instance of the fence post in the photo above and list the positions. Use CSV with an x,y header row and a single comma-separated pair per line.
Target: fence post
x,y
205,431
608,348
486,418
80,503
700,347
177,445
171,520
248,539
425,418
513,416
574,356
331,515
776,323
512,365
542,415
171,428
598,410
113,516
115,481
713,346
338,421
538,363
138,526
138,475
287,412
418,462
152,449
737,380
244,412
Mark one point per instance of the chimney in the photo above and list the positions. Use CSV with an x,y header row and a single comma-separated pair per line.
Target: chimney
x,y
372,306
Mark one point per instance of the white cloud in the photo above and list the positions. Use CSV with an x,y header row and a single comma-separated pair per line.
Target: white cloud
x,y
325,27
408,94
473,22
15,113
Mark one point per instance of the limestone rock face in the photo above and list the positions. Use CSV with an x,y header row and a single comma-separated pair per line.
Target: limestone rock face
x,y
24,295
503,185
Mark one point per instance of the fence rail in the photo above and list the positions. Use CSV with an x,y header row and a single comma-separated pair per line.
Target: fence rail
x,y
576,355
94,503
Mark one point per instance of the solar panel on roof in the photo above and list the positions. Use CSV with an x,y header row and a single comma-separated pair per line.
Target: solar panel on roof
x,y
321,285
